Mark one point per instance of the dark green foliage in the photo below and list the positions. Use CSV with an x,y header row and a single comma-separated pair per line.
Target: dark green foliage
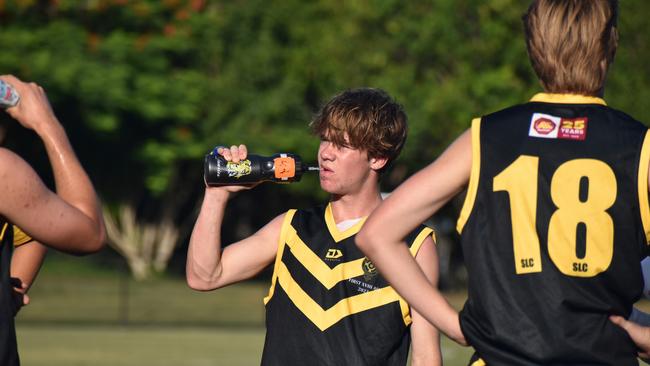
x,y
156,84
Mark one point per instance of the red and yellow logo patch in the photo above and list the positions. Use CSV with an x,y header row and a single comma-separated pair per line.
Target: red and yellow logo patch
x,y
553,127
573,129
544,126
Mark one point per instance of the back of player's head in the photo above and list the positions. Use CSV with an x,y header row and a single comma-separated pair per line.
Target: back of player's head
x,y
366,119
571,43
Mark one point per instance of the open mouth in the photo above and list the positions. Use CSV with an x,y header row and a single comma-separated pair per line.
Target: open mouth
x,y
324,169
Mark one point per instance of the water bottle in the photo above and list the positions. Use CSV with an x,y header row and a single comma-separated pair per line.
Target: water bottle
x,y
279,168
8,95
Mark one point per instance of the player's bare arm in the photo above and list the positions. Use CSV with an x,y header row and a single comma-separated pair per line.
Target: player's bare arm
x,y
381,238
208,266
69,220
425,339
25,263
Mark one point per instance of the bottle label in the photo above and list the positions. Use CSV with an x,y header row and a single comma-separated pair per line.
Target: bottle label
x,y
237,170
285,168
8,96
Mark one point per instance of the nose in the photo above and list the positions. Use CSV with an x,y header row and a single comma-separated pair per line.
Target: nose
x,y
326,150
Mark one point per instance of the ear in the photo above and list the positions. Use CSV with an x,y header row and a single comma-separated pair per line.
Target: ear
x,y
377,163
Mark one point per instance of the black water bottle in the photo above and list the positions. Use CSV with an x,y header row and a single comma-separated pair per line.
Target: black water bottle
x,y
279,168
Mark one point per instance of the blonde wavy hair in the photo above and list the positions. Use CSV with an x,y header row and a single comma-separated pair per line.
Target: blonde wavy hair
x,y
571,43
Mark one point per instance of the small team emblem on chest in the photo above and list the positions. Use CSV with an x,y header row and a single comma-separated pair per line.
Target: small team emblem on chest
x,y
369,269
552,127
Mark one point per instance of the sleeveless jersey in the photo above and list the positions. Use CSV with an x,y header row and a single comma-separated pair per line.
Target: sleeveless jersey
x,y
327,304
554,225
8,347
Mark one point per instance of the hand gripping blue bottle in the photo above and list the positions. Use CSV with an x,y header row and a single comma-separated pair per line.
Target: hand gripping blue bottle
x,y
8,95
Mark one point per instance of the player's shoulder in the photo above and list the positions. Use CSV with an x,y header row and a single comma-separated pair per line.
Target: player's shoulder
x,y
507,111
7,157
625,118
12,165
309,214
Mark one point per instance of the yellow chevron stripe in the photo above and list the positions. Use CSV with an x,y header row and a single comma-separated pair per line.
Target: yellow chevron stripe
x,y
324,319
327,276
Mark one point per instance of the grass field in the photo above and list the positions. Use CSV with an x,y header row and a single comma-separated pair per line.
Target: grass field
x,y
104,319
160,346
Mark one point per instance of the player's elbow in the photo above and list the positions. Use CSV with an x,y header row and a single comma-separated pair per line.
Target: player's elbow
x,y
366,241
201,281
93,242
96,241
199,284
96,244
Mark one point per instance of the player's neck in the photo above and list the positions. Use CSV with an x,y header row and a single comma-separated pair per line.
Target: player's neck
x,y
353,206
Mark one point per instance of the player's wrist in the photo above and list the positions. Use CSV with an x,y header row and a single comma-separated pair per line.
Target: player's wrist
x,y
51,131
216,194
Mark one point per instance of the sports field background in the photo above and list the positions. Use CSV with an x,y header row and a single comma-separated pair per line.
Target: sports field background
x,y
78,316
81,316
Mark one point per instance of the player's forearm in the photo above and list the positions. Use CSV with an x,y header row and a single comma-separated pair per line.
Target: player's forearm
x,y
203,267
73,184
431,359
26,262
425,342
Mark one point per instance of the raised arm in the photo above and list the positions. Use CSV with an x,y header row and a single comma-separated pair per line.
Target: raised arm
x,y
69,220
381,238
208,266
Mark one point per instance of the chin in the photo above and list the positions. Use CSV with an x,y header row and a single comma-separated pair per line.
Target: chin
x,y
329,188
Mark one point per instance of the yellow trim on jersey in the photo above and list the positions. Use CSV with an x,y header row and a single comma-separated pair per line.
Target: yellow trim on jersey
x,y
334,231
472,188
566,99
478,362
286,224
324,319
4,228
417,243
406,310
643,186
20,237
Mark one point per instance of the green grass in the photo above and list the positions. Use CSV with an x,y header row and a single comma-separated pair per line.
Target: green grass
x,y
64,345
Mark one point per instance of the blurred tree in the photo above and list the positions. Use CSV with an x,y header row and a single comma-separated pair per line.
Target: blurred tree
x,y
146,87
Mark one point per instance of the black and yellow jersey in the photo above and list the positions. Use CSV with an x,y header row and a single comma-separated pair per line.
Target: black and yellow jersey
x,y
10,236
327,304
554,225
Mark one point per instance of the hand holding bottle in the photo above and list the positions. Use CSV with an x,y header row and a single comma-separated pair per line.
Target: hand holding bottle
x,y
32,109
234,166
223,156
